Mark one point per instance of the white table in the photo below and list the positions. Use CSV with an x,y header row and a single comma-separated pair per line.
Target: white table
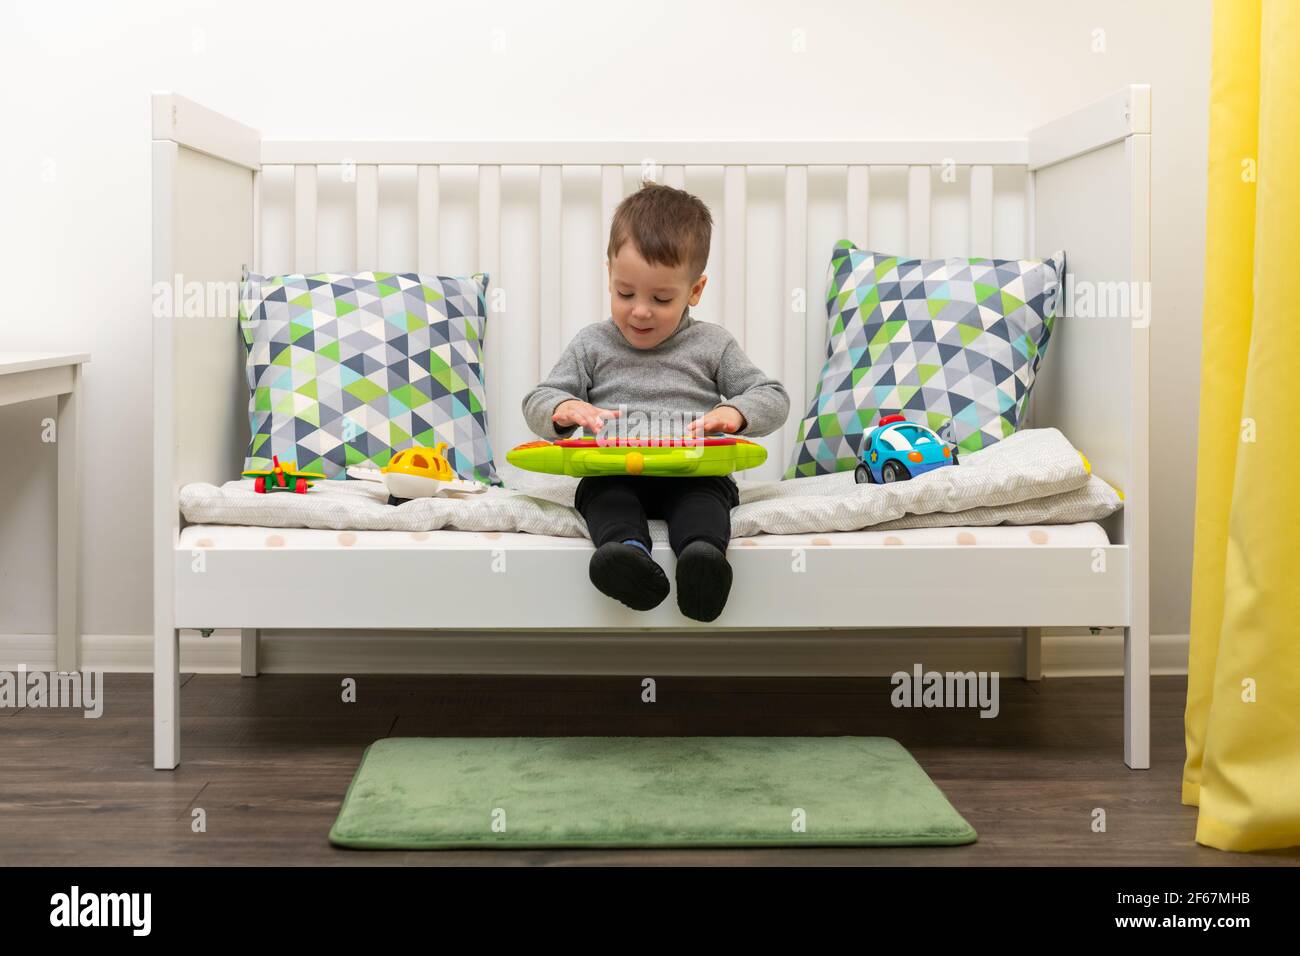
x,y
25,377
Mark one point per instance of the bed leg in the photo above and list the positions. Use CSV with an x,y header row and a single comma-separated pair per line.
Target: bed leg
x,y
166,699
1137,698
1031,652
248,651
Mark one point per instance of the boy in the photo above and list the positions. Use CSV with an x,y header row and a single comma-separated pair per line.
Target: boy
x,y
654,361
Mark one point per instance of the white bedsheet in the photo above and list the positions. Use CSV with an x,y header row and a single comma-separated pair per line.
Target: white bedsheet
x,y
1034,477
218,537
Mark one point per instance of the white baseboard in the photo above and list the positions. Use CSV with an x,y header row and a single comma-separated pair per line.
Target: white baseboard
x,y
705,653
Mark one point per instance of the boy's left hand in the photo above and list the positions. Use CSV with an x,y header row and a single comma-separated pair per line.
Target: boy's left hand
x,y
723,419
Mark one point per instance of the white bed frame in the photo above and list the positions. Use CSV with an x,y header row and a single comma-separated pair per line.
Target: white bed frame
x,y
1086,188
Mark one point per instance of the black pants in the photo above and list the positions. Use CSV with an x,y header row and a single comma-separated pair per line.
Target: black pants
x,y
616,508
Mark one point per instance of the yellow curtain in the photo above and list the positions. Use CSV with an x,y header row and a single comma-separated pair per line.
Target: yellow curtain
x,y
1243,691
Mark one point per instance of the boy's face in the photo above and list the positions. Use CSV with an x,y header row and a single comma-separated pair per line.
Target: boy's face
x,y
647,302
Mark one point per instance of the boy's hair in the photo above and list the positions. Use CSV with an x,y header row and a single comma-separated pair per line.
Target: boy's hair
x,y
667,226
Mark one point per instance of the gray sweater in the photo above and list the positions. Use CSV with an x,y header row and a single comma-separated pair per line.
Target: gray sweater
x,y
697,368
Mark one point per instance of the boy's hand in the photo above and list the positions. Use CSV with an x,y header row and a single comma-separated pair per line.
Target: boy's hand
x,y
723,419
574,412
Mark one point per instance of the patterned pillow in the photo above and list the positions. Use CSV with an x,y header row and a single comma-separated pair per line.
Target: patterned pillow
x,y
348,369
937,340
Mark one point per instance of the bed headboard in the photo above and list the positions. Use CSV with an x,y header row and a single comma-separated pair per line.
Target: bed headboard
x,y
535,217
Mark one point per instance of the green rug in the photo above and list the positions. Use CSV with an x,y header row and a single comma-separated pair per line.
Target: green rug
x,y
416,793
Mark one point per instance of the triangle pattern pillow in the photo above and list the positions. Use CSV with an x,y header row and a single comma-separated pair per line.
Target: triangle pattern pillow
x,y
348,369
947,343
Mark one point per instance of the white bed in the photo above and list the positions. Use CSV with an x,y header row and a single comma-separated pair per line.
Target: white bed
x,y
1081,184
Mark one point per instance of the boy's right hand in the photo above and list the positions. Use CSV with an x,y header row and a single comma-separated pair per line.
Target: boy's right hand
x,y
575,412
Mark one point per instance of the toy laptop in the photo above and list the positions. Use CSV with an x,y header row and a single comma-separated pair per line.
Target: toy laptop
x,y
685,457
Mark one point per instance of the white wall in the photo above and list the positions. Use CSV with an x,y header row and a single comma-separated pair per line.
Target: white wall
x,y
75,80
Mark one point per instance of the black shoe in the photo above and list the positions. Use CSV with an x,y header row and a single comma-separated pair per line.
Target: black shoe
x,y
628,574
703,581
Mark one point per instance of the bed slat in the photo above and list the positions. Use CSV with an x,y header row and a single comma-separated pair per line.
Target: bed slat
x,y
857,196
611,194
367,218
981,211
427,219
733,252
489,261
550,333
256,264
815,328
1030,249
795,337
304,219
918,211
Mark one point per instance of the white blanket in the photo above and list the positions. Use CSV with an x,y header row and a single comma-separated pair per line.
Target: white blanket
x,y
1033,477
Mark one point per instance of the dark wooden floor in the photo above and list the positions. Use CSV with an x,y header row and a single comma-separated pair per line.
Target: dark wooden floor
x,y
270,758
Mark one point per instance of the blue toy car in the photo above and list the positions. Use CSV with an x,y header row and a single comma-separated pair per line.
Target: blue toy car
x,y
896,450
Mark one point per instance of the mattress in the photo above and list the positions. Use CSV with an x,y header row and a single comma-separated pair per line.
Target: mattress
x,y
1034,478
242,537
